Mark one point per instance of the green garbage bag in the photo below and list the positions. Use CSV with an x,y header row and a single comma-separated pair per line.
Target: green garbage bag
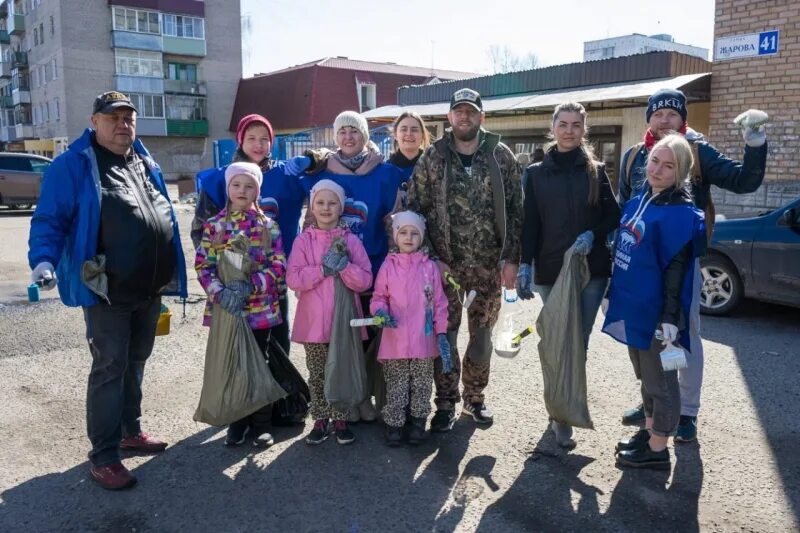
x,y
561,349
345,372
236,380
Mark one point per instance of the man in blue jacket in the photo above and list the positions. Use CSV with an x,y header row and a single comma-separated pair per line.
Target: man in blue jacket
x,y
104,231
666,113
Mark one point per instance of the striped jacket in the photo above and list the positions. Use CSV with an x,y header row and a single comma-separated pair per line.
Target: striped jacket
x,y
262,305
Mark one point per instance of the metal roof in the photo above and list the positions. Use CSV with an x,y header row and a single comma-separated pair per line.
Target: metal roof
x,y
622,92
385,68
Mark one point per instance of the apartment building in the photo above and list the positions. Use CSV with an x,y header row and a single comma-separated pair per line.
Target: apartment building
x,y
179,60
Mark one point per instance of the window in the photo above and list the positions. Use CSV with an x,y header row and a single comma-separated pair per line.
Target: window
x,y
41,33
11,162
43,75
35,36
57,111
148,105
137,20
181,26
36,115
182,71
45,112
52,25
608,51
136,63
39,165
53,69
35,78
185,107
366,96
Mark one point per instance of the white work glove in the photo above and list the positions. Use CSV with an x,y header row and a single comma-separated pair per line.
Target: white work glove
x,y
752,123
45,275
670,332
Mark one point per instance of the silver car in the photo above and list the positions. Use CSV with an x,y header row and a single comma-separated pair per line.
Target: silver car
x,y
21,178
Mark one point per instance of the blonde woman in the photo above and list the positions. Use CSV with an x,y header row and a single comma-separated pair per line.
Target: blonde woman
x,y
660,235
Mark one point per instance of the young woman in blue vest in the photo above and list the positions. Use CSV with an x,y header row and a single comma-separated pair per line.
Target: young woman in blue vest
x,y
660,235
372,187
568,202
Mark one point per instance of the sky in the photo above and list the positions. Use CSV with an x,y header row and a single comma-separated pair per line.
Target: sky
x,y
455,35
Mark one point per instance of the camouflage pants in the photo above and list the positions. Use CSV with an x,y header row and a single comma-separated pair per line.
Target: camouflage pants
x,y
316,356
473,371
408,385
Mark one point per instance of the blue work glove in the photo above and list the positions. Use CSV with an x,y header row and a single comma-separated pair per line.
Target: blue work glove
x,y
232,301
333,262
524,281
444,353
388,320
296,165
583,244
241,287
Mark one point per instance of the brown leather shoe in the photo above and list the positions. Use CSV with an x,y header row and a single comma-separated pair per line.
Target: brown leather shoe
x,y
143,442
113,477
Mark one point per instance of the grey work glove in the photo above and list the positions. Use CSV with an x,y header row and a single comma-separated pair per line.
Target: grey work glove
x,y
44,275
333,262
583,244
752,123
241,287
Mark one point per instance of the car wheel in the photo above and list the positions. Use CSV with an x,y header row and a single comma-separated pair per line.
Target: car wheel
x,y
722,287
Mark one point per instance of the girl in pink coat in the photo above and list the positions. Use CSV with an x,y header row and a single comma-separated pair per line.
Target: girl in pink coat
x,y
409,296
310,273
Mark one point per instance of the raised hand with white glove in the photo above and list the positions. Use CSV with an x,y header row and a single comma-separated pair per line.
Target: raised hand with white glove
x,y
44,275
670,333
752,123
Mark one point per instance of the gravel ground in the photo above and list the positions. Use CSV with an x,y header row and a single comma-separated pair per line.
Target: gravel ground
x,y
743,475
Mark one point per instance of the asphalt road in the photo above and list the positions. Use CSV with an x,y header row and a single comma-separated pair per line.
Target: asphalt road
x,y
742,475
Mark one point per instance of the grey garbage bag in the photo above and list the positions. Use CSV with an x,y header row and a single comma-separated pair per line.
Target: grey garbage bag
x,y
561,349
236,380
345,371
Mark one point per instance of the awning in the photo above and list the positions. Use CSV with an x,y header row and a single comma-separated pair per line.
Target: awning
x,y
549,99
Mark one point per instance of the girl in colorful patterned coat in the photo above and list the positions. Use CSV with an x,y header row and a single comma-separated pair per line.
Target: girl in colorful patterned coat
x,y
256,299
313,265
409,297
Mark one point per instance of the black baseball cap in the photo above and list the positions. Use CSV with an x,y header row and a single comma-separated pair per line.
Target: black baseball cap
x,y
466,96
111,100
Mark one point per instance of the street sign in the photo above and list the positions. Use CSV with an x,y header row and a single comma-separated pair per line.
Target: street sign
x,y
749,45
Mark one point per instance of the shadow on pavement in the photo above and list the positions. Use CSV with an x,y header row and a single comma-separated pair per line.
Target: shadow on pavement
x,y
201,484
770,366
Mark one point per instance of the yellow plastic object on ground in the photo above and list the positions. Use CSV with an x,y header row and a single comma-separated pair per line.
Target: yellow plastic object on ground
x,y
162,328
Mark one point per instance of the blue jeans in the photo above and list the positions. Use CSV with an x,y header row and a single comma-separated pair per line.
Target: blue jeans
x,y
591,297
121,338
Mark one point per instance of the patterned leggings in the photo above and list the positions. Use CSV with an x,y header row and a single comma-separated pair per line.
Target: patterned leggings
x,y
408,381
316,356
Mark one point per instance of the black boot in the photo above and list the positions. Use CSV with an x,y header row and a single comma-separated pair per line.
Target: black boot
x,y
638,440
394,436
417,434
644,458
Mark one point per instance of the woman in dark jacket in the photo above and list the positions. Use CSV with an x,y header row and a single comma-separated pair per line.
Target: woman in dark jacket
x,y
411,137
660,235
568,203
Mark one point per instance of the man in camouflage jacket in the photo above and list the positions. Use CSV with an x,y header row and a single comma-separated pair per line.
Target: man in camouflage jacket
x,y
467,186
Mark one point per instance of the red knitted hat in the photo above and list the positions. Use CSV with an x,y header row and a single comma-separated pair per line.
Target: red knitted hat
x,y
248,121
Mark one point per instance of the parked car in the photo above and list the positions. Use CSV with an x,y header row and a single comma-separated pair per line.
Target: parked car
x,y
21,178
756,257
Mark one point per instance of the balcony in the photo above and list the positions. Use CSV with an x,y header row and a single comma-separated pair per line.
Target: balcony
x,y
155,127
139,84
4,8
187,128
185,87
184,46
21,95
5,38
136,41
6,101
16,24
19,60
24,131
5,69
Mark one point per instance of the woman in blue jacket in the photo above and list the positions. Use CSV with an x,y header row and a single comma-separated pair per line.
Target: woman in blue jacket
x,y
660,235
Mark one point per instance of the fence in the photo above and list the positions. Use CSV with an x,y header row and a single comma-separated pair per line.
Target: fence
x,y
288,146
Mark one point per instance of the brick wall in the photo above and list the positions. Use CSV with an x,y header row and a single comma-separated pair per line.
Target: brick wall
x,y
769,83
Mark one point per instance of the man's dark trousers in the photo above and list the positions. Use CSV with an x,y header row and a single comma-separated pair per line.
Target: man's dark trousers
x,y
121,338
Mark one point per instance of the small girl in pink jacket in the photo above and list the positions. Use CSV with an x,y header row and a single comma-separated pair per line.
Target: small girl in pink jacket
x,y
409,296
310,273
